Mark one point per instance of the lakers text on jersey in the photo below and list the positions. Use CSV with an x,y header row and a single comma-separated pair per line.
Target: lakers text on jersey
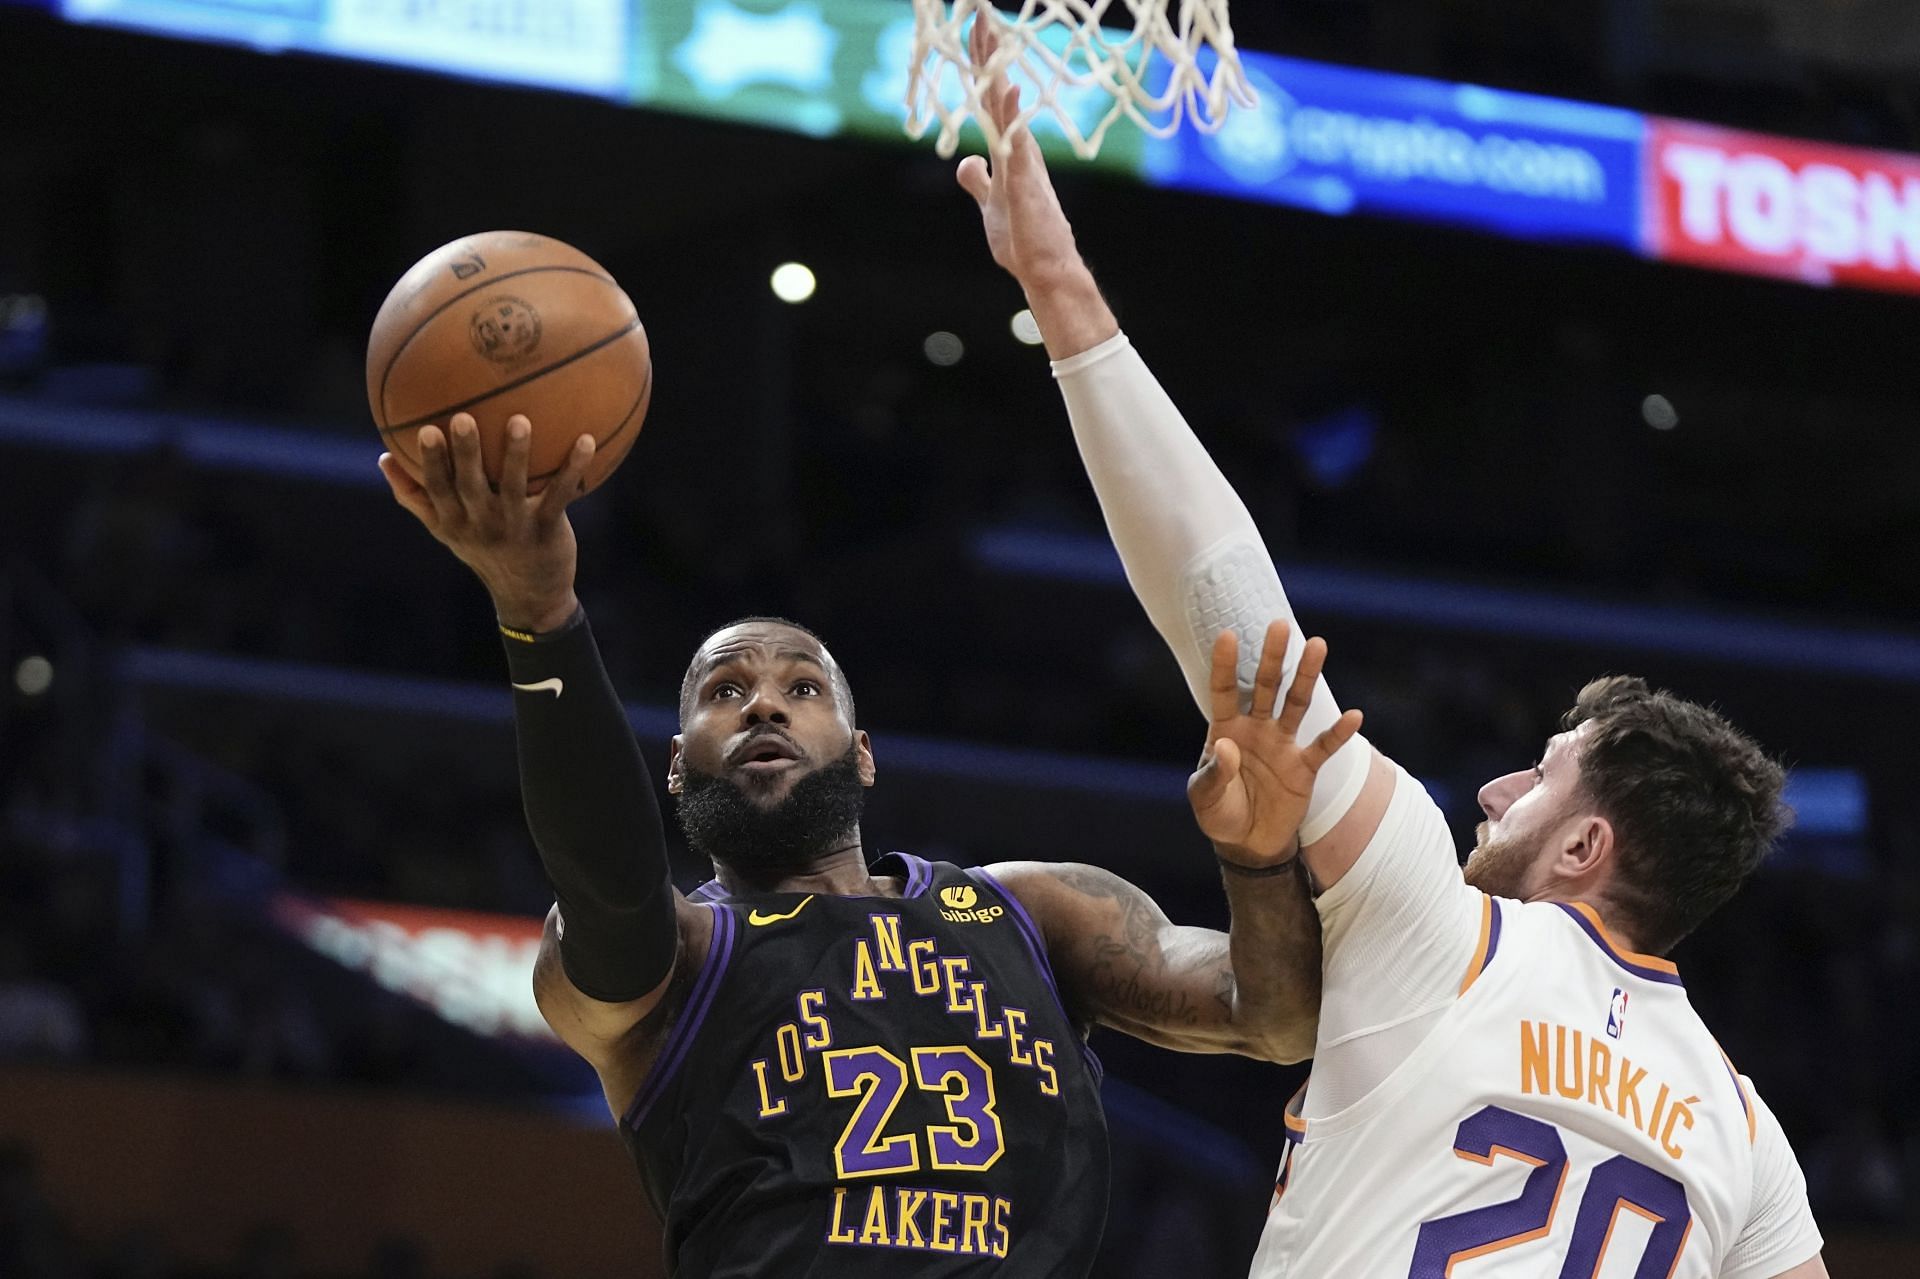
x,y
875,1085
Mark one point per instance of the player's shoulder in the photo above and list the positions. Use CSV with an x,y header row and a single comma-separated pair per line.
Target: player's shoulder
x,y
1043,887
1061,902
1021,877
1395,838
1580,931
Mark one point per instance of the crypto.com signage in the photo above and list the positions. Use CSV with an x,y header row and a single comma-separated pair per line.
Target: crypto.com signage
x,y
1333,139
1345,141
1776,206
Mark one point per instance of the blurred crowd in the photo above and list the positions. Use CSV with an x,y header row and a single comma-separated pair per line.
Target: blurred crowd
x,y
1392,398
37,1241
1797,973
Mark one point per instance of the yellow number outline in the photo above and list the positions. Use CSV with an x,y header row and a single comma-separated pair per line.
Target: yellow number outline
x,y
867,1086
994,1135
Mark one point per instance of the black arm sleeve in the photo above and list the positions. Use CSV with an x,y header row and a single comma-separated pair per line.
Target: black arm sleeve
x,y
591,809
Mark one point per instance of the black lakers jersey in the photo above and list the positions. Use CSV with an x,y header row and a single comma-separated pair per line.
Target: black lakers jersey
x,y
874,1085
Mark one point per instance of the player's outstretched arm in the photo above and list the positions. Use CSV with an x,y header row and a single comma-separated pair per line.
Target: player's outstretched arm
x,y
1027,231
1192,552
612,942
1256,989
1256,777
1121,963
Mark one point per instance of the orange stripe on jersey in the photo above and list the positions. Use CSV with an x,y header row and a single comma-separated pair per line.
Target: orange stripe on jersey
x,y
1633,957
1478,964
1746,1102
1681,1251
1296,1132
1296,1125
1486,1160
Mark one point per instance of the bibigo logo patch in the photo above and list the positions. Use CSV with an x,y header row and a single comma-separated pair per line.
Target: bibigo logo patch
x,y
962,906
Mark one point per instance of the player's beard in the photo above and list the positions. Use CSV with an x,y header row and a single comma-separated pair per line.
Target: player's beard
x,y
817,815
1499,866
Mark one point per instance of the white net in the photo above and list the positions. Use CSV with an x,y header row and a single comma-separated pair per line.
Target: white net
x,y
1085,75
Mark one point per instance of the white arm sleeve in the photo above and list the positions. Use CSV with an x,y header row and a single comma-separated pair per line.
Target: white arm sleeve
x,y
1780,1232
1398,932
1191,551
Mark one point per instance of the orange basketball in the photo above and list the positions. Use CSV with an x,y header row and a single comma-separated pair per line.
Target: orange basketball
x,y
507,322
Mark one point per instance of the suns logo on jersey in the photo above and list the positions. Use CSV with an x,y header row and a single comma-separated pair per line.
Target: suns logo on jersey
x,y
1617,1013
960,902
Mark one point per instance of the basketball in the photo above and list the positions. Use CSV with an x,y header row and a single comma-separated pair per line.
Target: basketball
x,y
508,322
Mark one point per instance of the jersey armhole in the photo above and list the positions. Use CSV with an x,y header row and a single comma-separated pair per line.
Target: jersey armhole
x,y
1740,1088
1489,943
1406,895
673,1053
1037,948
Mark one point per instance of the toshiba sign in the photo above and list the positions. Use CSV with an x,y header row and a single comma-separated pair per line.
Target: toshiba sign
x,y
1774,206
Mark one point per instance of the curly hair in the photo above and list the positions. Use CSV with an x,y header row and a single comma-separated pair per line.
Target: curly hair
x,y
1695,803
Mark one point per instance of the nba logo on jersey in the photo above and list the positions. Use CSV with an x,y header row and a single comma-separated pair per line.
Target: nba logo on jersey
x,y
1617,1013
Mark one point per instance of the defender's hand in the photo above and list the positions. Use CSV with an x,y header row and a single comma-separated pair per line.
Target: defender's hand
x,y
521,547
1251,790
1026,228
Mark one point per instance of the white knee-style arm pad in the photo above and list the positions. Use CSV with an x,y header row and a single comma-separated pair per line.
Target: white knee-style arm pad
x,y
1190,548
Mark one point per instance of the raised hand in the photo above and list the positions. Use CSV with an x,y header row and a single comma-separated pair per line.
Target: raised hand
x,y
1026,229
1250,792
521,547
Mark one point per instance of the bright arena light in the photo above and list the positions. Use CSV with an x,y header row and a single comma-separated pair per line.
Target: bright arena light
x,y
944,348
33,676
1659,412
1026,328
792,282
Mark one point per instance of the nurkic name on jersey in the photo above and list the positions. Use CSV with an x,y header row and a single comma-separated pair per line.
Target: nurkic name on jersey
x,y
1567,1114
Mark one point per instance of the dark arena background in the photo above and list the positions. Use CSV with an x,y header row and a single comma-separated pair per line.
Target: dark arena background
x,y
1519,391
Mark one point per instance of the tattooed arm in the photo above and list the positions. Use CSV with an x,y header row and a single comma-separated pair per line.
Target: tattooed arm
x,y
1121,963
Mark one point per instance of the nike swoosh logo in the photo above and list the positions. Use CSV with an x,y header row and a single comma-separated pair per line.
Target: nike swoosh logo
x,y
544,686
759,920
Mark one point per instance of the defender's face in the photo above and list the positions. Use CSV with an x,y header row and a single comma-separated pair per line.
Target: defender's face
x,y
1525,811
764,712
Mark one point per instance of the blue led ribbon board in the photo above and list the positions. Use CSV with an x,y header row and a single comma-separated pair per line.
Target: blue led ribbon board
x,y
1339,140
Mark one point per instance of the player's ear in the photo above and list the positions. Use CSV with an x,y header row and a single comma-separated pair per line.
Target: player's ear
x,y
1589,847
863,756
676,766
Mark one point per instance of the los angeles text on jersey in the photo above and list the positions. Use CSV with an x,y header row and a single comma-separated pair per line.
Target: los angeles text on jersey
x,y
1560,1061
874,1078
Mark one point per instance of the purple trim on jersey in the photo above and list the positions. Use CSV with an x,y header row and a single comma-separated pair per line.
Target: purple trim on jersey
x,y
719,954
919,875
1638,970
1493,935
711,891
1037,947
1098,1071
1734,1075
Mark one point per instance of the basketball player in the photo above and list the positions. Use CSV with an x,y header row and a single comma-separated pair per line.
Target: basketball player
x,y
1508,1077
819,1066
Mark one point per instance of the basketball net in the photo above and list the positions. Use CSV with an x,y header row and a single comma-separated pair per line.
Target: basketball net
x,y
1062,58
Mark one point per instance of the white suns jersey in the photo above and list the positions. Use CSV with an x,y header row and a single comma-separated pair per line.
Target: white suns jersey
x,y
1566,1114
